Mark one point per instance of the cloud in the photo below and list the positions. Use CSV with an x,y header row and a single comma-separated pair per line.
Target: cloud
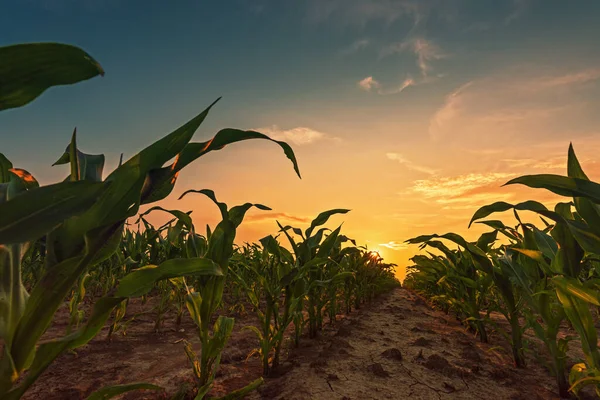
x,y
355,47
261,217
298,136
529,163
409,164
451,108
408,82
369,83
394,245
426,52
475,187
569,79
524,103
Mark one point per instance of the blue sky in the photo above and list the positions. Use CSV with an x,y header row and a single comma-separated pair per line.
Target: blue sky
x,y
390,105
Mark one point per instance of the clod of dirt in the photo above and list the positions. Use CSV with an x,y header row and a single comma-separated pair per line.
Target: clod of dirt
x,y
392,354
377,370
471,353
422,342
437,363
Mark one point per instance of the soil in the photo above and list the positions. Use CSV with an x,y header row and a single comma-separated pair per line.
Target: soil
x,y
394,348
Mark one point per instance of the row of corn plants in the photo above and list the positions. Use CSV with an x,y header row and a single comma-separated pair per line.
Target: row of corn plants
x,y
319,276
540,278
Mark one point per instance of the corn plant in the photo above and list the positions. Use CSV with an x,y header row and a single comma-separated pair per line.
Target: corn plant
x,y
271,276
311,253
206,295
77,296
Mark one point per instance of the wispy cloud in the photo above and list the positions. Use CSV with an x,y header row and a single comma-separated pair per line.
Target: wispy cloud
x,y
524,102
473,188
450,109
426,52
394,245
298,136
261,217
355,47
528,163
409,164
569,79
369,83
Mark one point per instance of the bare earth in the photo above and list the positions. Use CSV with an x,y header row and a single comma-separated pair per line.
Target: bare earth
x,y
395,348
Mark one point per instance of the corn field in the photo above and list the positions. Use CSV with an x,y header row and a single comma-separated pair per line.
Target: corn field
x,y
84,241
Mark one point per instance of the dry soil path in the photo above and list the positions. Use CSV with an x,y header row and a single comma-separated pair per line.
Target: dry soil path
x,y
398,348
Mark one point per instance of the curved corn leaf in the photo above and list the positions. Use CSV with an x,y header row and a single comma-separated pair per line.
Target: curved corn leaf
x,y
184,217
142,280
211,195
322,218
561,185
502,206
27,70
161,182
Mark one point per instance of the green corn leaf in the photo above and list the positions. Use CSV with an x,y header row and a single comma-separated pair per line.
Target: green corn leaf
x,y
27,70
322,218
87,166
561,185
502,206
5,167
211,195
573,287
580,316
40,210
184,217
142,280
574,169
161,182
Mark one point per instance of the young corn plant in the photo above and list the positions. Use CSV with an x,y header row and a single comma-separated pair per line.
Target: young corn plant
x,y
311,254
206,295
271,276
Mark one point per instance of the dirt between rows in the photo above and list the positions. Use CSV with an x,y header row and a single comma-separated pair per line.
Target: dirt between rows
x,y
395,348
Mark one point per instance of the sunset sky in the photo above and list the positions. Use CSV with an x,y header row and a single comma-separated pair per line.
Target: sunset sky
x,y
412,113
